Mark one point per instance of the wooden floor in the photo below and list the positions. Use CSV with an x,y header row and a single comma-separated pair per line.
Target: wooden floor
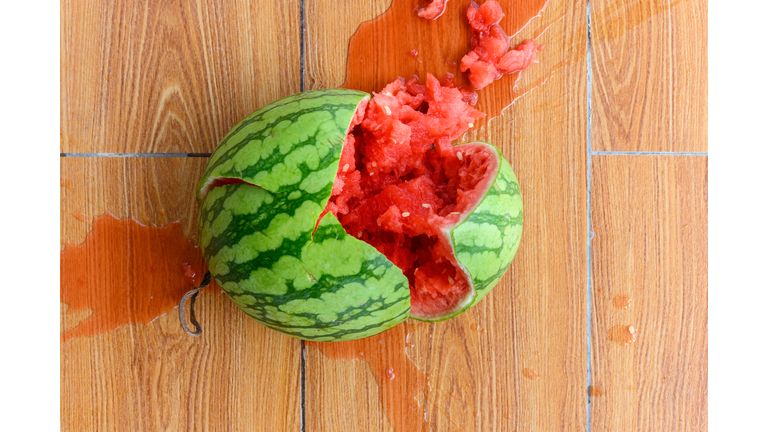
x,y
601,322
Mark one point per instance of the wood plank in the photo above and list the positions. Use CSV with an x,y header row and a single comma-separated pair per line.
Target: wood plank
x,y
650,223
649,61
171,76
470,373
329,26
153,376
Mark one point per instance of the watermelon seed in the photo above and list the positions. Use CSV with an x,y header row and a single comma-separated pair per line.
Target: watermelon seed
x,y
387,110
346,167
374,164
460,156
471,125
425,205
406,214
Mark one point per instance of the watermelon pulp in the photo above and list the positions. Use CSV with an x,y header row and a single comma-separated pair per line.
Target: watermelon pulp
x,y
491,57
401,186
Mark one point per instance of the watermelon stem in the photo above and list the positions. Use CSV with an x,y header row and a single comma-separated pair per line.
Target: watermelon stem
x,y
192,295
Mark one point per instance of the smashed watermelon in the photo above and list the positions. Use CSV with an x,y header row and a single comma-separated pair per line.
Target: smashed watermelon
x,y
330,215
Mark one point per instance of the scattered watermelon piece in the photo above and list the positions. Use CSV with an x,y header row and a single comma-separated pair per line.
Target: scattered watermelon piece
x,y
491,57
433,10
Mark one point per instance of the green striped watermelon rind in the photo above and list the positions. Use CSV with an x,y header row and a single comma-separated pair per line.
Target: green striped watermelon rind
x,y
487,237
258,240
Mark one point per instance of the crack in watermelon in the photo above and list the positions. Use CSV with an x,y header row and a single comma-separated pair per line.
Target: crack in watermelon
x,y
401,186
214,182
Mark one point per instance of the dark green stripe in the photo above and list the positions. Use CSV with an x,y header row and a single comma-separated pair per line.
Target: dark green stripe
x,y
284,328
497,220
324,284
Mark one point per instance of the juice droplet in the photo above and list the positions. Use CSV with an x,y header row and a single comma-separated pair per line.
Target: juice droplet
x,y
189,272
622,335
531,374
126,273
79,216
390,373
595,391
622,302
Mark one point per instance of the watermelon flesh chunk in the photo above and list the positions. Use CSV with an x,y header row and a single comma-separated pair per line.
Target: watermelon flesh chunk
x,y
491,57
401,186
433,10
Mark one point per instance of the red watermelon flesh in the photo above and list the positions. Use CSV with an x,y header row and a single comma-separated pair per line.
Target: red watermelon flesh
x,y
491,57
401,186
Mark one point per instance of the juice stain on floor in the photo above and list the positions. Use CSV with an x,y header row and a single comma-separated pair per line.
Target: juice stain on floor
x,y
400,382
126,272
622,334
622,302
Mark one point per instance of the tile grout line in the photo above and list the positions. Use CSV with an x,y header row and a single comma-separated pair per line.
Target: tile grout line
x,y
303,354
590,234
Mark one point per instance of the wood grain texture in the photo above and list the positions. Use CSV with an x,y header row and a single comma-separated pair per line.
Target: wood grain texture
x,y
534,319
650,223
649,61
329,26
171,76
155,377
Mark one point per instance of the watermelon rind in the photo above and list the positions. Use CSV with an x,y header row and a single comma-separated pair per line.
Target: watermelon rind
x,y
486,239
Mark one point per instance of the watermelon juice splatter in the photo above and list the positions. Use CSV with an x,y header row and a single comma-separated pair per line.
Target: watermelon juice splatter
x,y
400,381
126,273
379,51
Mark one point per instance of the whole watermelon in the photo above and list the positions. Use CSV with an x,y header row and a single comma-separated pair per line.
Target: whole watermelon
x,y
261,195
